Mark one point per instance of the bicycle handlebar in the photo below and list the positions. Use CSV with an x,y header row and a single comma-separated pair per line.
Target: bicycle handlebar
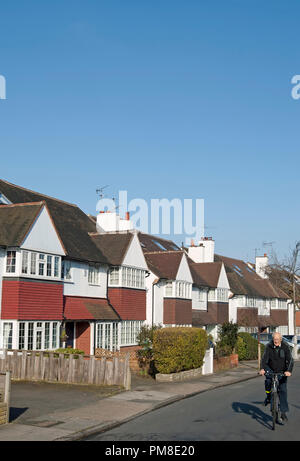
x,y
271,373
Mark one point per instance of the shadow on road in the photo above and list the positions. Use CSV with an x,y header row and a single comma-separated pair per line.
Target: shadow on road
x,y
255,413
14,413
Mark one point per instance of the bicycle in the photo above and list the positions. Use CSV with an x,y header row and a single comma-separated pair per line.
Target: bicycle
x,y
274,396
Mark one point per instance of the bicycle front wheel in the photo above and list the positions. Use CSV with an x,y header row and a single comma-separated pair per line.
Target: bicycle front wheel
x,y
274,410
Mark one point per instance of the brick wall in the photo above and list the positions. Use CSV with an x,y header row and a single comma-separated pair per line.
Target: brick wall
x,y
83,336
133,360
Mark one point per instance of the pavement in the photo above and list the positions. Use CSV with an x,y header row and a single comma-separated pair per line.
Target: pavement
x,y
54,412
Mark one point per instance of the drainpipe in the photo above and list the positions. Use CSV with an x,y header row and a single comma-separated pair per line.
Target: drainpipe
x,y
109,303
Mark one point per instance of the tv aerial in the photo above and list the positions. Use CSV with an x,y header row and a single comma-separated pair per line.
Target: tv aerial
x,y
100,191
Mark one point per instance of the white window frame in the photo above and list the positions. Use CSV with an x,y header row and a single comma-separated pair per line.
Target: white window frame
x,y
7,334
94,275
8,262
222,295
107,335
36,265
38,329
129,277
129,331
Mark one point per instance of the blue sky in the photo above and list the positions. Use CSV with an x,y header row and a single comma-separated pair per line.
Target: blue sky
x,y
164,99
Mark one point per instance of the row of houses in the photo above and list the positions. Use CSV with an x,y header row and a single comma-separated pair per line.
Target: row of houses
x,y
99,280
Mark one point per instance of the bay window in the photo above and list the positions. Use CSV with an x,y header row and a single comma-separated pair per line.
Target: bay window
x,y
107,335
125,276
38,335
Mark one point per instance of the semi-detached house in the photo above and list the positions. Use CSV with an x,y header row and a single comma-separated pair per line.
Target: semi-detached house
x,y
55,276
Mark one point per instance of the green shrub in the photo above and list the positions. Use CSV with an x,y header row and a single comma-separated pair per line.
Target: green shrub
x,y
241,348
247,347
179,349
145,340
228,335
69,350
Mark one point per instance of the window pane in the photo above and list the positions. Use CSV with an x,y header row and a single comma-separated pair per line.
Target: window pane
x,y
7,335
33,264
11,261
107,340
24,262
30,336
38,340
99,339
21,335
41,264
47,335
49,266
56,266
54,335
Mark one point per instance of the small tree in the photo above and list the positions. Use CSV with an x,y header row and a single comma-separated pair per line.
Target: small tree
x,y
228,336
286,275
145,341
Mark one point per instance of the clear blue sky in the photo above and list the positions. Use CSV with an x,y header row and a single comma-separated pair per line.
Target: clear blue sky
x,y
164,99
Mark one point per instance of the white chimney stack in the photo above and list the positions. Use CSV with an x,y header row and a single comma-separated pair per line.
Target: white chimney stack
x,y
261,262
203,252
110,221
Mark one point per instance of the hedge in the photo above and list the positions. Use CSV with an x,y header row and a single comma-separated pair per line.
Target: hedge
x,y
179,349
247,347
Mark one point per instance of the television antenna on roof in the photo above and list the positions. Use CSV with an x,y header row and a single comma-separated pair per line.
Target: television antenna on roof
x,y
100,191
270,244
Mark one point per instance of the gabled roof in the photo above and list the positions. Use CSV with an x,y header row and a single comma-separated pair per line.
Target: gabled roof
x,y
205,274
150,243
164,264
72,224
113,246
16,221
243,280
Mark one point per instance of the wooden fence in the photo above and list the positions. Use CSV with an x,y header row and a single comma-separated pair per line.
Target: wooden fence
x,y
4,397
66,368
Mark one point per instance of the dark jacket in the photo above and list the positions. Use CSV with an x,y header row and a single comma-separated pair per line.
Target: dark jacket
x,y
277,358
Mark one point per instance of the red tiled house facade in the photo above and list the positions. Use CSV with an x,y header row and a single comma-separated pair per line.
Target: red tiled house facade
x,y
54,277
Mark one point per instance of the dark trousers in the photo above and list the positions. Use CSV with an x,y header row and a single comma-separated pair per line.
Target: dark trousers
x,y
282,391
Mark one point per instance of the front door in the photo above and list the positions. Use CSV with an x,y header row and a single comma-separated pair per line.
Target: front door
x,y
70,334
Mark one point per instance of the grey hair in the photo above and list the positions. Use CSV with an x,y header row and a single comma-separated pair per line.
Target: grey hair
x,y
277,333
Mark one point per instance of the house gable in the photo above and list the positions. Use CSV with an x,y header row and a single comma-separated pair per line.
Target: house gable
x,y
43,236
223,280
184,272
134,255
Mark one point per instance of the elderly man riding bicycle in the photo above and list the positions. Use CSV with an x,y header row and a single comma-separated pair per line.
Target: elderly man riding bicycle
x,y
277,358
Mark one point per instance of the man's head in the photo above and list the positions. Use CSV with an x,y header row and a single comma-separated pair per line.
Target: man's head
x,y
277,338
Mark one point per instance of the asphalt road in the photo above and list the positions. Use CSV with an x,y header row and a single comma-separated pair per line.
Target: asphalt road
x,y
231,413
